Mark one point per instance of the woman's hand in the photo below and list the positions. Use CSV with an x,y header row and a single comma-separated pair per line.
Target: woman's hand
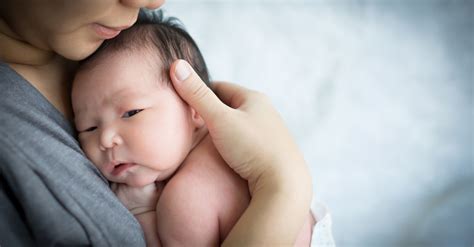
x,y
246,129
138,200
252,138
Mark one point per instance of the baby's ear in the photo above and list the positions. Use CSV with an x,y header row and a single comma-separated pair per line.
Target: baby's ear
x,y
196,119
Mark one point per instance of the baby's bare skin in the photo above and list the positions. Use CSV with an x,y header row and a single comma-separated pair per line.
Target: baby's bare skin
x,y
201,203
198,205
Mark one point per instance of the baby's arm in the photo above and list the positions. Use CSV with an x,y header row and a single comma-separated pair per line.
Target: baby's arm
x,y
142,204
147,221
184,219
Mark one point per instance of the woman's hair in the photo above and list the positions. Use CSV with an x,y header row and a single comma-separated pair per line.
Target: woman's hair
x,y
163,36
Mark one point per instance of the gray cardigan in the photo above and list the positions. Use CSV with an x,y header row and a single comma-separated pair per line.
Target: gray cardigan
x,y
50,194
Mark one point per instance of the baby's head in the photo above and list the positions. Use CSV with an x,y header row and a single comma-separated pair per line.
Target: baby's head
x,y
131,123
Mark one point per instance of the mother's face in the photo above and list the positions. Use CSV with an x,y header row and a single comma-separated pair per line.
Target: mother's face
x,y
71,28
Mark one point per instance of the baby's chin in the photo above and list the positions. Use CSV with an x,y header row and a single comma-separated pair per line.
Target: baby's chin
x,y
133,181
143,177
140,182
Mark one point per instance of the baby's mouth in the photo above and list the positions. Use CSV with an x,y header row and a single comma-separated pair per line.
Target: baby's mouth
x,y
121,167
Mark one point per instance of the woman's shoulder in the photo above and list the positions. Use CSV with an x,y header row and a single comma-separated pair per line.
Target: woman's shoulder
x,y
47,174
9,78
23,110
17,93
5,70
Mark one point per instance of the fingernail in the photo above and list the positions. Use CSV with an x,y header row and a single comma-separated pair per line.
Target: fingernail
x,y
182,70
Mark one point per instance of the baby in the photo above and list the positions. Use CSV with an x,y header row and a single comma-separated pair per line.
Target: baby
x,y
142,136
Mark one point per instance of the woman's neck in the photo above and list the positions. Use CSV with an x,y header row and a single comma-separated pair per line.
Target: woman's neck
x,y
49,73
53,80
15,50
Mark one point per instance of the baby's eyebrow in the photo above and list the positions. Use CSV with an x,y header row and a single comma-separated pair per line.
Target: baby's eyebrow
x,y
124,93
79,118
79,112
121,92
84,113
126,96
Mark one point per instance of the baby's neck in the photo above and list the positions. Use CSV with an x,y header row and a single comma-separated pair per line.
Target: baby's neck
x,y
198,136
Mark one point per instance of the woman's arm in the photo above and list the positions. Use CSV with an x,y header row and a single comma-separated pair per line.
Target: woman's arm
x,y
275,216
252,138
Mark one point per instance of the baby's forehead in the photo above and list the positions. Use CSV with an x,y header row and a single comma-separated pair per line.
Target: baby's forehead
x,y
143,62
149,61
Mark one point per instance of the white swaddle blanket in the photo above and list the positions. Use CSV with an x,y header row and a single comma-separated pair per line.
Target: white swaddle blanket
x,y
322,231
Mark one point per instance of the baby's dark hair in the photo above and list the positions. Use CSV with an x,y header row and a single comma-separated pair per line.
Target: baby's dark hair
x,y
165,35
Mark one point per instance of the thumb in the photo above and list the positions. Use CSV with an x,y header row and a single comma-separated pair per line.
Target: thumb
x,y
194,91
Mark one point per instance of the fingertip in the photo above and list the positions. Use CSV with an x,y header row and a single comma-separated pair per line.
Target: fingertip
x,y
194,91
180,70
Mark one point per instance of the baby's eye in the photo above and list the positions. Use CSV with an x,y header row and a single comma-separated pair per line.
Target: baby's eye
x,y
90,129
131,113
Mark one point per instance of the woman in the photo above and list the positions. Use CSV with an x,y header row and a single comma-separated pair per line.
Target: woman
x,y
49,191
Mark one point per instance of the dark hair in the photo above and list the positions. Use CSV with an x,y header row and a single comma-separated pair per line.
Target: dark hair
x,y
164,35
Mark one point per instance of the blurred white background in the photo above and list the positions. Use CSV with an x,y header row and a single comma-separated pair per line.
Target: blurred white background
x,y
379,96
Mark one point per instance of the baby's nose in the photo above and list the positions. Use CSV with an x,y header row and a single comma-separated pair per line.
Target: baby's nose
x,y
109,138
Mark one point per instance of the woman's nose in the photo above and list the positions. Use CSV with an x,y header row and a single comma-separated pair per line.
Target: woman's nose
x,y
149,4
109,138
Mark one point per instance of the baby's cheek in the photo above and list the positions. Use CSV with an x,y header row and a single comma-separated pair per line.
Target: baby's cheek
x,y
91,152
160,151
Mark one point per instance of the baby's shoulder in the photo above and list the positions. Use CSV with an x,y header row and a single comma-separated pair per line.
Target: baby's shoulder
x,y
205,177
205,167
204,196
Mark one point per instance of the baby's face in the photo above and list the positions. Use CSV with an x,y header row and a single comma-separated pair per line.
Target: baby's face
x,y
132,126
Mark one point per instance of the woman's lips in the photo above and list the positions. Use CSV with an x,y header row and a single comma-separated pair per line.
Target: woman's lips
x,y
120,168
106,32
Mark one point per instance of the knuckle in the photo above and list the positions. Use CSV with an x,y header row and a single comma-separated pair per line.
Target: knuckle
x,y
261,97
227,116
256,94
199,92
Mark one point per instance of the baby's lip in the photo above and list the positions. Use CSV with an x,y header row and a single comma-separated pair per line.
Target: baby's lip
x,y
121,167
115,167
112,164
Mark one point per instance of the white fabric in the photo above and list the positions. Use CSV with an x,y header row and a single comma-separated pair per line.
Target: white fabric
x,y
322,231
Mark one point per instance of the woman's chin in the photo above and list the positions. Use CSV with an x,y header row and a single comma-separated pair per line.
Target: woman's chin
x,y
81,50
